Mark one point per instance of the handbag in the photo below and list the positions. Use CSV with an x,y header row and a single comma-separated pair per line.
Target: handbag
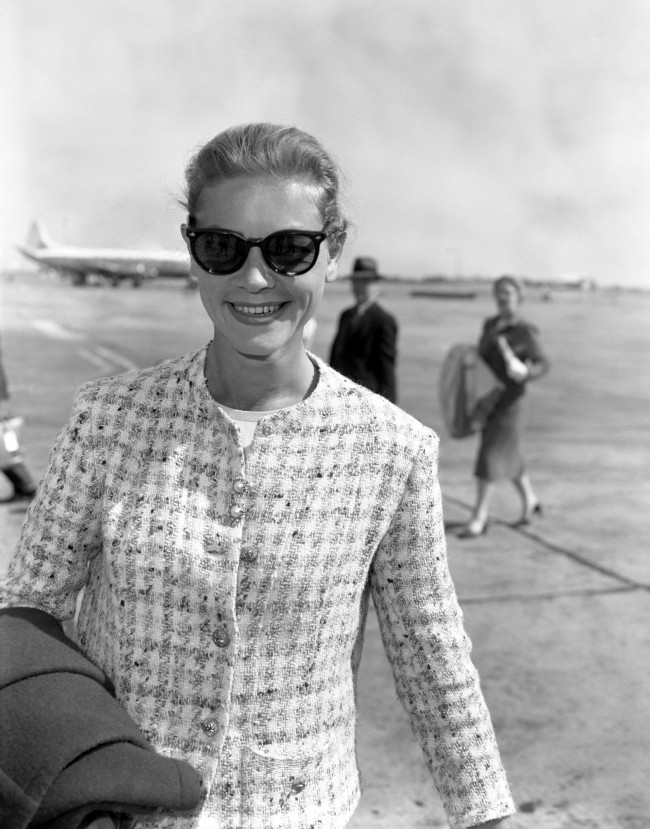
x,y
10,436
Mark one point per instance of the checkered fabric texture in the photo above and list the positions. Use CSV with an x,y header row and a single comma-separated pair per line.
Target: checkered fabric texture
x,y
225,590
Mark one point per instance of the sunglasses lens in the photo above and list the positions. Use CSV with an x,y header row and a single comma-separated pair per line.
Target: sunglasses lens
x,y
290,253
220,252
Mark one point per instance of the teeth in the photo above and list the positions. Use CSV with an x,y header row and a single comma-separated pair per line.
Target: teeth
x,y
256,310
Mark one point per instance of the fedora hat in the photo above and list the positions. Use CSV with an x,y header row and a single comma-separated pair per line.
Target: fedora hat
x,y
365,267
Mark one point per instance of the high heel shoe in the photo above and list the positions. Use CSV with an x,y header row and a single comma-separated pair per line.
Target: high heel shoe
x,y
527,518
474,530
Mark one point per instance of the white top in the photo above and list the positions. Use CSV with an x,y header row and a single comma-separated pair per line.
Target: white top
x,y
247,421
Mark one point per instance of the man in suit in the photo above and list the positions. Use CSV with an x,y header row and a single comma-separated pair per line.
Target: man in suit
x,y
365,345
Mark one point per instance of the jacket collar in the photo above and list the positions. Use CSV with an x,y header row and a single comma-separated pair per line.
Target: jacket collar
x,y
191,367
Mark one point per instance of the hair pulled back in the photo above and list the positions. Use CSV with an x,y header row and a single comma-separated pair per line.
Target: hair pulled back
x,y
263,149
512,281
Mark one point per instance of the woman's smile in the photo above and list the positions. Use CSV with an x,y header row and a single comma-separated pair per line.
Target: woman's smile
x,y
257,312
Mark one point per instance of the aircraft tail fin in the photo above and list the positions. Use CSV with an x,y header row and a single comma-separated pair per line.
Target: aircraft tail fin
x,y
38,237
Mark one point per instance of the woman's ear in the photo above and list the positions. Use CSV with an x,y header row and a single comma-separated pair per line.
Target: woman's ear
x,y
335,249
186,239
332,270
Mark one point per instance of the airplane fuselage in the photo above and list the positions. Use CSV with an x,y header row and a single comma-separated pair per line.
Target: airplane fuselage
x,y
113,262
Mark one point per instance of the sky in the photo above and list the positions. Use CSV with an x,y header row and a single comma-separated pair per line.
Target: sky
x,y
475,136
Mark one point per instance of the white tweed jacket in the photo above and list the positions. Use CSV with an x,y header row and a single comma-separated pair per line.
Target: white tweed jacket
x,y
226,590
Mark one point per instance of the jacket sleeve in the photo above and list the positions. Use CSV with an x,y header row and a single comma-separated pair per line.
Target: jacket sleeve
x,y
487,339
339,337
385,357
61,532
429,651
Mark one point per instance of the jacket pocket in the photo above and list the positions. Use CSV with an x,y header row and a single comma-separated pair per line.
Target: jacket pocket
x,y
300,789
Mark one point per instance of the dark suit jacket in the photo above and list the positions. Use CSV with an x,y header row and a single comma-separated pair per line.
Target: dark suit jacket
x,y
365,349
67,747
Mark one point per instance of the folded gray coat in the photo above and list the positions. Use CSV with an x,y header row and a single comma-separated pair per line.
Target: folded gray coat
x,y
67,747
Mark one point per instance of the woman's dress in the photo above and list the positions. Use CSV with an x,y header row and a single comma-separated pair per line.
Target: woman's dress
x,y
500,454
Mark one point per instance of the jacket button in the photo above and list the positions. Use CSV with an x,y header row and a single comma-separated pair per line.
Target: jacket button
x,y
236,511
221,638
210,726
248,554
239,485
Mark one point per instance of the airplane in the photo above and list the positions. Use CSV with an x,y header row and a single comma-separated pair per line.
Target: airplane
x,y
114,263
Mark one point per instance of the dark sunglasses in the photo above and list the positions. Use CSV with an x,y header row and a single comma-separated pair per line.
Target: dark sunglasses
x,y
287,252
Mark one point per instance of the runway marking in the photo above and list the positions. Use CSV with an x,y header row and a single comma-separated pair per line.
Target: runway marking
x,y
56,331
116,358
99,355
96,359
546,595
577,557
556,548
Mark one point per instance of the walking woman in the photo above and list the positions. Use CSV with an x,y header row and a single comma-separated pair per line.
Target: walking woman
x,y
510,347
229,512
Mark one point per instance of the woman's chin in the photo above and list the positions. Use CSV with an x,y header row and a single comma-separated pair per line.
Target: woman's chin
x,y
267,347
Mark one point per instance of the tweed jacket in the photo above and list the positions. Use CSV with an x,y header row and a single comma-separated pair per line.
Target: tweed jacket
x,y
226,590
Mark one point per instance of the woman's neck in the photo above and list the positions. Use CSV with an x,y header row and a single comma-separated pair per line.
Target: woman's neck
x,y
508,317
258,384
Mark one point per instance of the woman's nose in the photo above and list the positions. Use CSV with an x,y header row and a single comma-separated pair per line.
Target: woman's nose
x,y
255,274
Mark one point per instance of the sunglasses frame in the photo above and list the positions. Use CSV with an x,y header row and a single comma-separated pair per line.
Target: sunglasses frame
x,y
193,233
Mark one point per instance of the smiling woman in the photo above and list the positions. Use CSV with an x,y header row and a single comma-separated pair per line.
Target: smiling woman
x,y
231,512
259,308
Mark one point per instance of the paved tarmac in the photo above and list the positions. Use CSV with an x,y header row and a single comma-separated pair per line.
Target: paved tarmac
x,y
558,613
